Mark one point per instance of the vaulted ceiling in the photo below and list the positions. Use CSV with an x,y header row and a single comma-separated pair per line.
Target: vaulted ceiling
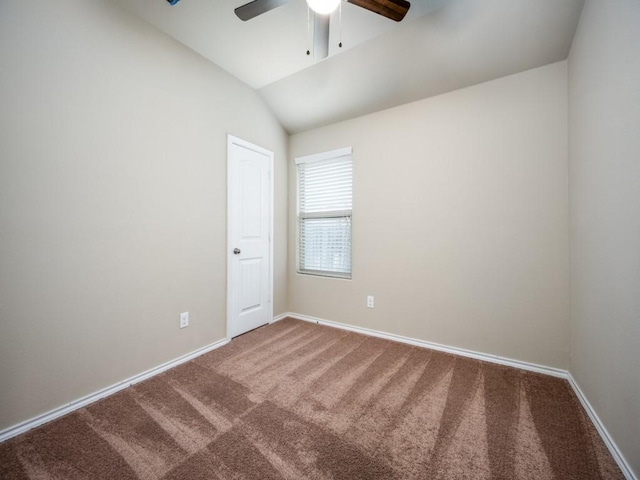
x,y
440,46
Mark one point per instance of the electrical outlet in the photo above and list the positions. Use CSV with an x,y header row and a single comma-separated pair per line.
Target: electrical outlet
x,y
370,301
184,319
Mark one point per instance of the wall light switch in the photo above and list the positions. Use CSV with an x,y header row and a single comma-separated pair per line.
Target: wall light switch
x,y
184,319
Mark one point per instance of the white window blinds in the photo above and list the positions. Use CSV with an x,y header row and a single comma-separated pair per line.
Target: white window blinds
x,y
324,213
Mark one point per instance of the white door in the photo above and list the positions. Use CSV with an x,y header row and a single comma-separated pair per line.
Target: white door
x,y
249,223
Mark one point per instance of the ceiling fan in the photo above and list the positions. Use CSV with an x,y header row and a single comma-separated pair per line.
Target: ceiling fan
x,y
322,9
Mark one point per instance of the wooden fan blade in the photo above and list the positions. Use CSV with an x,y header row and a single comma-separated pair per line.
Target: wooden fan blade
x,y
393,9
257,7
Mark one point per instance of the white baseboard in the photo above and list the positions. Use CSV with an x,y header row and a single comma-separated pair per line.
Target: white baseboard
x,y
556,372
280,317
604,434
105,392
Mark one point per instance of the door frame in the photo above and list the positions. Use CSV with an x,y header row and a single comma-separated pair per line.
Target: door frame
x,y
232,140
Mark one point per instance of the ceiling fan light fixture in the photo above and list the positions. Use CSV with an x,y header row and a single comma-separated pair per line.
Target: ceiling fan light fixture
x,y
323,7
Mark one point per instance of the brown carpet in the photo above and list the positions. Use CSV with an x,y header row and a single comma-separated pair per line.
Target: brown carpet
x,y
296,400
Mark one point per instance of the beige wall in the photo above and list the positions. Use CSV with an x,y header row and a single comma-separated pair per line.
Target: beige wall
x,y
460,222
604,119
112,199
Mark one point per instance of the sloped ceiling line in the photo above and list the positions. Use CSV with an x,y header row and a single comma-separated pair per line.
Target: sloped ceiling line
x,y
442,45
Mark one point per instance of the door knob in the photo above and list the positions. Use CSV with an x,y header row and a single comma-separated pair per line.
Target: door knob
x,y
236,251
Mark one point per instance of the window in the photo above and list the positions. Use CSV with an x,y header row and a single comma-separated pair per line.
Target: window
x,y
324,213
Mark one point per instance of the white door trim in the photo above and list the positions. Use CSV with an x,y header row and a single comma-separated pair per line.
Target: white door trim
x,y
232,140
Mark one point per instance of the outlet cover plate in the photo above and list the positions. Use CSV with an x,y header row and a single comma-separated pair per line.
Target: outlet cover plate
x,y
184,319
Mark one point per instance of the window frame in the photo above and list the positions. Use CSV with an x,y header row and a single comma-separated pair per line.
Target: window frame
x,y
319,157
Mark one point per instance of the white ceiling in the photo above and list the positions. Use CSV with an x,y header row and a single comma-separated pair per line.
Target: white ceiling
x,y
441,45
